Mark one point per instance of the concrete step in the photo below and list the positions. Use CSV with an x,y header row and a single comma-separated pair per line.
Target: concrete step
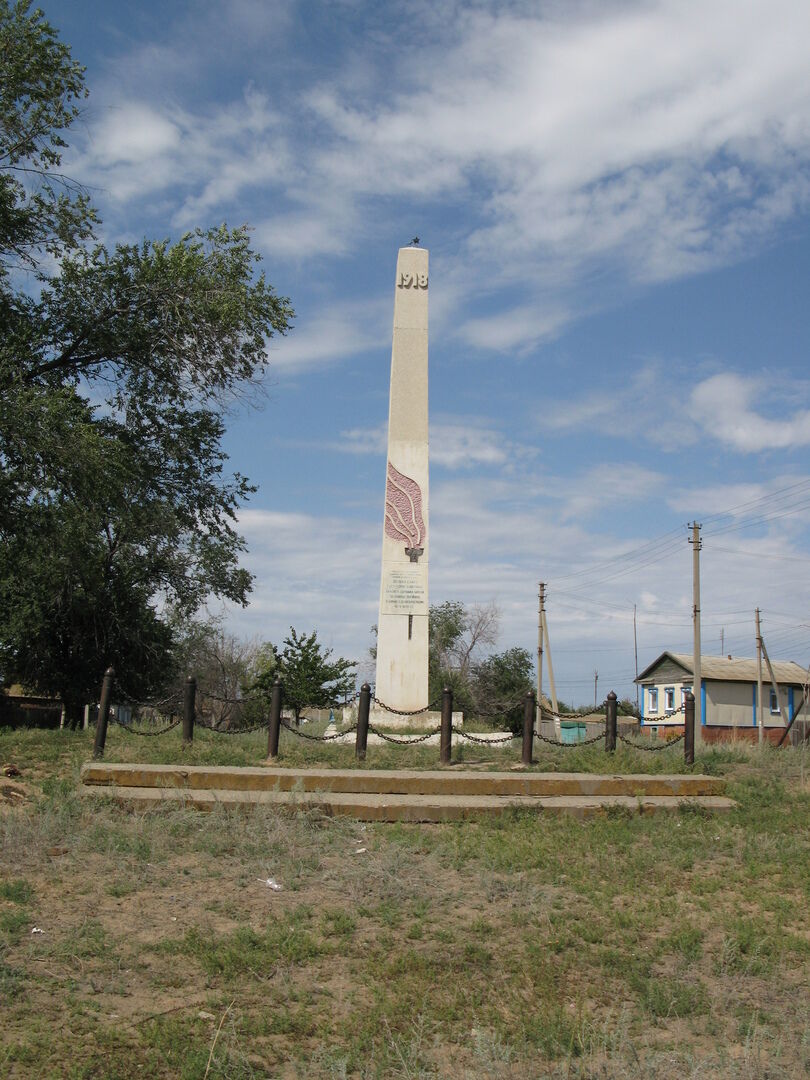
x,y
399,807
451,782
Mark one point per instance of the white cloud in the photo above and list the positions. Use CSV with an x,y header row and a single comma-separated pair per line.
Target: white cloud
x,y
666,135
332,334
519,328
133,133
631,407
725,406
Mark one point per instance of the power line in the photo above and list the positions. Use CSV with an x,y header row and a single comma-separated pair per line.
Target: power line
x,y
759,554
660,547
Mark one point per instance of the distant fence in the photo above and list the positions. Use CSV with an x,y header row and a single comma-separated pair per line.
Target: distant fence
x,y
28,711
184,712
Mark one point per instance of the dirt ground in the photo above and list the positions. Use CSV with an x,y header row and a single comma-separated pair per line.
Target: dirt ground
x,y
152,943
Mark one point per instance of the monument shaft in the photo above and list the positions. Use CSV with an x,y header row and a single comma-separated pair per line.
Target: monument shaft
x,y
402,629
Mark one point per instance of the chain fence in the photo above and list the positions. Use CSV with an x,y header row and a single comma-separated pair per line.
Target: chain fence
x,y
484,742
175,698
407,740
176,701
258,726
432,707
134,731
650,749
316,738
600,735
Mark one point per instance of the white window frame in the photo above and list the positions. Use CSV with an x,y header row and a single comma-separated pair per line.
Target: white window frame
x,y
652,699
774,704
684,691
669,699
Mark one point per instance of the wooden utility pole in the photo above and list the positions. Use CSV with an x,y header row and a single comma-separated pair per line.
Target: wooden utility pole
x,y
696,543
552,688
635,649
760,715
540,609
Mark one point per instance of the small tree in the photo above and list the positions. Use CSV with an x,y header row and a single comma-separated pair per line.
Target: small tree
x,y
310,678
456,636
225,668
500,684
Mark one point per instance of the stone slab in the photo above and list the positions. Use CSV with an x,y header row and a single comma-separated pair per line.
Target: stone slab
x,y
401,781
389,808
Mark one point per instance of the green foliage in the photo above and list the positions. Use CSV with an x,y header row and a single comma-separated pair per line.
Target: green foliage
x,y
41,212
245,950
18,891
501,683
456,635
117,514
309,676
490,688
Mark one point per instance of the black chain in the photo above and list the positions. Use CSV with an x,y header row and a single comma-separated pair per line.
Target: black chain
x,y
236,731
406,741
483,742
405,712
160,731
318,738
222,700
572,745
651,749
129,699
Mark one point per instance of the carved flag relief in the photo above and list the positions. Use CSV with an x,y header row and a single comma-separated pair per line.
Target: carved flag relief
x,y
403,512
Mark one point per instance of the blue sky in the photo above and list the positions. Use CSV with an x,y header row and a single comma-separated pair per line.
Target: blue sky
x,y
616,200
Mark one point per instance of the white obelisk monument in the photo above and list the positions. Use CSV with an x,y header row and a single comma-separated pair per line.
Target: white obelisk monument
x,y
402,630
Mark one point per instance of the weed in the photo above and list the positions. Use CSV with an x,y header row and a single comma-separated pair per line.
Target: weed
x,y
18,892
12,924
247,951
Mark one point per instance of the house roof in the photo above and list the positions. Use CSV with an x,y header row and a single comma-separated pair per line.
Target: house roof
x,y
733,669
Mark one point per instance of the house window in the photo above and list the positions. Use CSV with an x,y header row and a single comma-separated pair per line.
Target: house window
x,y
669,699
653,700
774,704
684,691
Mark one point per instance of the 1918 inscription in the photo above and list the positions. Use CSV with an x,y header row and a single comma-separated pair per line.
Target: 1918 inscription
x,y
412,281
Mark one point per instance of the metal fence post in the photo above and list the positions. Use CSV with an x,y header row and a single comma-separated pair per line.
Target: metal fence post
x,y
189,710
689,728
103,713
363,708
610,722
529,709
446,732
275,718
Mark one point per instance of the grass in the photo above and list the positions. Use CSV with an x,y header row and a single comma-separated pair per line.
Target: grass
x,y
627,946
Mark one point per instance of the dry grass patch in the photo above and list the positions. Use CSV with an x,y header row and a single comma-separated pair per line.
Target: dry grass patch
x,y
671,946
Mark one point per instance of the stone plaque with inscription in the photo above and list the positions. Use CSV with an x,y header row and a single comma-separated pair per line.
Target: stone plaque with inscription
x,y
404,592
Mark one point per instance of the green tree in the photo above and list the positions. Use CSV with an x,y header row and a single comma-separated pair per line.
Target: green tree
x,y
500,684
117,514
311,679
